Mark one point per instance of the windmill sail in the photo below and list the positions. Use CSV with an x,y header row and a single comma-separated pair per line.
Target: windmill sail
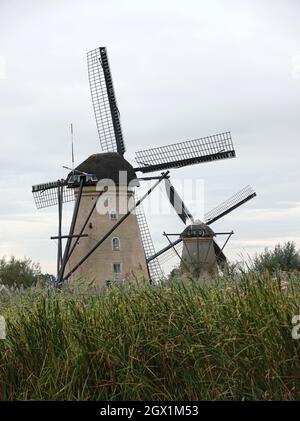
x,y
156,273
46,194
171,253
177,203
221,258
164,250
235,201
104,102
178,155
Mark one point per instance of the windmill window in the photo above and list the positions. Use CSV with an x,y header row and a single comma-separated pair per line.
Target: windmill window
x,y
113,216
117,268
116,244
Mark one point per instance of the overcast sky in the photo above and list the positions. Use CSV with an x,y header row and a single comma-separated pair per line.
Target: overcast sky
x,y
181,70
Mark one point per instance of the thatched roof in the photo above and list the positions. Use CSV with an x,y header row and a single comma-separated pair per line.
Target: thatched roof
x,y
107,166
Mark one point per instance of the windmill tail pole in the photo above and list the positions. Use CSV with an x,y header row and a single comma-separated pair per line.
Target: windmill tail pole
x,y
164,175
59,248
71,232
72,141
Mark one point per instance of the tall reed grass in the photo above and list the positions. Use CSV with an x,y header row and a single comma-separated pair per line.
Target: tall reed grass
x,y
230,341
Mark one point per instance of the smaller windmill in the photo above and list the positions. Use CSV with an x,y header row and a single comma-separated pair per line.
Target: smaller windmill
x,y
201,256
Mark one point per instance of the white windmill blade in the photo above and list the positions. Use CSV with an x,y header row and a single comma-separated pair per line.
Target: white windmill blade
x,y
104,102
221,258
177,203
171,254
205,149
46,194
156,273
235,201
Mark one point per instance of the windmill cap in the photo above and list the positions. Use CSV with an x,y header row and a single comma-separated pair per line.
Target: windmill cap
x,y
197,230
108,166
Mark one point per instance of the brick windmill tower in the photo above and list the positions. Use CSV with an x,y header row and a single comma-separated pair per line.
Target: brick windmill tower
x,y
109,238
122,254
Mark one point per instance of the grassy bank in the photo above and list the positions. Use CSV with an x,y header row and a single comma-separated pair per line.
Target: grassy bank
x,y
225,342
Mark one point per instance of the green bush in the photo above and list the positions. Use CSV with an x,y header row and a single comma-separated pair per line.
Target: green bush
x,y
284,257
22,273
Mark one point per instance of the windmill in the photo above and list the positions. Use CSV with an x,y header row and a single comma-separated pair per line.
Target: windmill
x,y
114,243
201,256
